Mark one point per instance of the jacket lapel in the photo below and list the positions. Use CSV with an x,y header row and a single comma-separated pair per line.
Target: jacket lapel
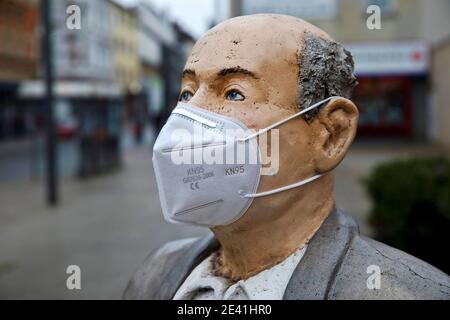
x,y
314,276
186,263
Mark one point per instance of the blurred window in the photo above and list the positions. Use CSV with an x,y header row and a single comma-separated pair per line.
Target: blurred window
x,y
388,7
385,106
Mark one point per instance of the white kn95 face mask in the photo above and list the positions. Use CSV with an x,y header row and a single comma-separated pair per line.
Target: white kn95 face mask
x,y
208,166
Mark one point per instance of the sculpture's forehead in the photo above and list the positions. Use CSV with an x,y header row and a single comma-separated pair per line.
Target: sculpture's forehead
x,y
252,42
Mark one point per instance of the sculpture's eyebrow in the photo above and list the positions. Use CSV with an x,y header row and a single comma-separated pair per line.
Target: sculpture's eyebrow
x,y
224,72
189,72
236,70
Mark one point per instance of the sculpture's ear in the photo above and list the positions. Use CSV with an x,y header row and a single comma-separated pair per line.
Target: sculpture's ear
x,y
333,132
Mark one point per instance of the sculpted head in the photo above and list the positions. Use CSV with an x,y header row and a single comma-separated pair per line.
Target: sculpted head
x,y
263,68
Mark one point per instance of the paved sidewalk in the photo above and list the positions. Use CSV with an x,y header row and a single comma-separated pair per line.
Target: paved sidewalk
x,y
107,225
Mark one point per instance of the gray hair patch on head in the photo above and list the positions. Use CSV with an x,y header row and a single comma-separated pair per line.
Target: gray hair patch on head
x,y
326,69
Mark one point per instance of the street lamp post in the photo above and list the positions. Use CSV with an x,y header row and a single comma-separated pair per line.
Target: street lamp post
x,y
52,174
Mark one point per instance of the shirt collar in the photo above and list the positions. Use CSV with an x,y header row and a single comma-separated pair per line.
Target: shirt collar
x,y
269,284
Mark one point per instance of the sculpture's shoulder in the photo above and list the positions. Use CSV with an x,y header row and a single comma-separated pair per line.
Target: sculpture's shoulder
x,y
153,270
402,276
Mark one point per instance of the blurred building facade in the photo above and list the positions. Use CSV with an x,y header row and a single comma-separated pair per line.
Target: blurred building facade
x,y
163,49
155,33
175,56
441,91
87,102
127,65
19,58
85,53
114,75
19,50
125,47
401,92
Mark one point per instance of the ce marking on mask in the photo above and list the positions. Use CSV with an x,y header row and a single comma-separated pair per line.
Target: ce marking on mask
x,y
195,175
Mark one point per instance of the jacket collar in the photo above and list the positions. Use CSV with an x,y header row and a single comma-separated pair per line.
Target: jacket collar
x,y
313,277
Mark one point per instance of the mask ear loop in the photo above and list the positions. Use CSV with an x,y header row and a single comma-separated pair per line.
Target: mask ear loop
x,y
291,186
279,123
270,192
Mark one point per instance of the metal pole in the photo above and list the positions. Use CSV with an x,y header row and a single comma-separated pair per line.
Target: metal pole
x,y
235,8
52,174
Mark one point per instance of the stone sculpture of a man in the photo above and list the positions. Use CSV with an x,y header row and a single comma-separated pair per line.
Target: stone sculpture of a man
x,y
293,242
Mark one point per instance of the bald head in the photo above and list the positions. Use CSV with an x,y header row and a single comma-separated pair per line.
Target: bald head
x,y
244,37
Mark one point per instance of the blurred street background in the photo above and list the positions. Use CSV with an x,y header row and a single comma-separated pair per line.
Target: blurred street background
x,y
114,83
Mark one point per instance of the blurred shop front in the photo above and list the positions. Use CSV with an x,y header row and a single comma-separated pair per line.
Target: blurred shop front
x,y
393,91
88,115
13,122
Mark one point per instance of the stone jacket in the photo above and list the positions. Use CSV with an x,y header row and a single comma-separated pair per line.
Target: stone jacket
x,y
335,266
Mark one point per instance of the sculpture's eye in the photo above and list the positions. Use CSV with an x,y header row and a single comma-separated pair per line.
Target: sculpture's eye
x,y
185,96
234,95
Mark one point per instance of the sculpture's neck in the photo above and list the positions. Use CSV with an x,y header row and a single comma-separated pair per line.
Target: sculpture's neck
x,y
247,249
